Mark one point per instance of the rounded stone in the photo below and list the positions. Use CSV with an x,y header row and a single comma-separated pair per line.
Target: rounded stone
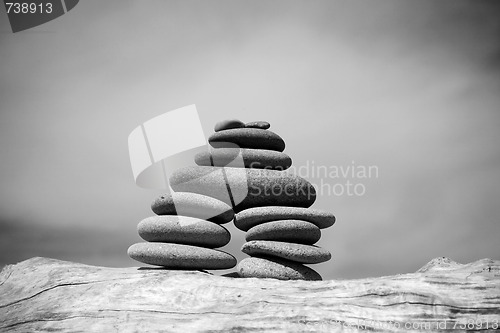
x,y
305,254
258,124
249,218
255,138
292,231
275,268
183,230
193,205
246,188
228,124
180,256
252,158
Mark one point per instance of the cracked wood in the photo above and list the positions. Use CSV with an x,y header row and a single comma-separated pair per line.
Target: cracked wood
x,y
43,294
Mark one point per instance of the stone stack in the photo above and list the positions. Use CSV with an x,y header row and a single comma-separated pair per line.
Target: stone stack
x,y
245,169
280,240
185,233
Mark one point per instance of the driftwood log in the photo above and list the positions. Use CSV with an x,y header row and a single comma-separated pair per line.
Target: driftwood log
x,y
40,295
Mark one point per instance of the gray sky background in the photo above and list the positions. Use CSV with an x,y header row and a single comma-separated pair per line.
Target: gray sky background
x,y
412,87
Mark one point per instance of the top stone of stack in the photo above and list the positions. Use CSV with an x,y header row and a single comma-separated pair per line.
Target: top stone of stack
x,y
234,133
258,124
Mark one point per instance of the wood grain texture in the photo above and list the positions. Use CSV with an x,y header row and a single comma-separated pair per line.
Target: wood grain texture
x,y
41,295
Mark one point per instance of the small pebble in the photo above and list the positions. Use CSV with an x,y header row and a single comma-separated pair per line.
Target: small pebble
x,y
258,124
228,124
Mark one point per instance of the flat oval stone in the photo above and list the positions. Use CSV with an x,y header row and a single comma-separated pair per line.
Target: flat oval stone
x,y
258,124
292,231
247,188
228,124
255,216
275,268
305,254
193,205
183,230
255,138
179,256
252,158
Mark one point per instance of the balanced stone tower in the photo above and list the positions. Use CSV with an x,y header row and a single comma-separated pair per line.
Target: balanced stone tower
x,y
244,173
245,168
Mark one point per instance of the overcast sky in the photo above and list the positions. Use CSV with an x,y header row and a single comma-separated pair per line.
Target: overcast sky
x,y
411,87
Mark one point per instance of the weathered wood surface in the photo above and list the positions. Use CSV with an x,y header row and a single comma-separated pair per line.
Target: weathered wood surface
x,y
43,294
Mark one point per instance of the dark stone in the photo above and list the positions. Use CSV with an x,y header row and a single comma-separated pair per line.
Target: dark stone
x,y
291,231
179,256
254,216
254,138
275,268
305,254
247,158
246,188
183,230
